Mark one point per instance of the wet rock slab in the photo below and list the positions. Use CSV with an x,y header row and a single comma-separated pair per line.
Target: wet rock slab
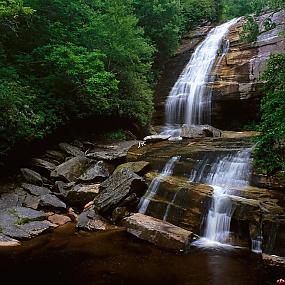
x,y
158,232
137,167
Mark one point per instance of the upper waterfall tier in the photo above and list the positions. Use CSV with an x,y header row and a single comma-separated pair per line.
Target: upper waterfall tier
x,y
189,101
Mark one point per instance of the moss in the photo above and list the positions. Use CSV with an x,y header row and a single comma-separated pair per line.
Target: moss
x,y
26,220
12,211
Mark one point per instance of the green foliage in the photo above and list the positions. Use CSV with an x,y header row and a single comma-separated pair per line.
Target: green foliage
x,y
115,135
197,11
162,21
68,59
250,30
270,149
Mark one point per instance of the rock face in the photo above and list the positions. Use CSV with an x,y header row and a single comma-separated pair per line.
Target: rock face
x,y
117,188
236,91
160,233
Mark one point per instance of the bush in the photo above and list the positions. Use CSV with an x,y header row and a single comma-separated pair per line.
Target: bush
x,y
270,149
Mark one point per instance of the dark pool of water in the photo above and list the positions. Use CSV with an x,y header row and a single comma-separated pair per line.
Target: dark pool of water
x,y
65,257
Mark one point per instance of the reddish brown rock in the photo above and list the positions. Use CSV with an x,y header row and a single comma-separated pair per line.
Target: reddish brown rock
x,y
59,219
158,232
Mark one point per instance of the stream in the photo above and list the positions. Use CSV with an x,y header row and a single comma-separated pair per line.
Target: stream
x,y
67,257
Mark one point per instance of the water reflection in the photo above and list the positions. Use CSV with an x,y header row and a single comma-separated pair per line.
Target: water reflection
x,y
118,258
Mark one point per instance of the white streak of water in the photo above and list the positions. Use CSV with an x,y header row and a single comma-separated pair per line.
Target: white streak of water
x,y
154,186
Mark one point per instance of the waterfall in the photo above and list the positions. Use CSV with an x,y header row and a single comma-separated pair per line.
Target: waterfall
x,y
154,185
228,175
188,102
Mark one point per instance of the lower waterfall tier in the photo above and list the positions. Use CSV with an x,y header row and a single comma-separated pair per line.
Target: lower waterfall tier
x,y
258,213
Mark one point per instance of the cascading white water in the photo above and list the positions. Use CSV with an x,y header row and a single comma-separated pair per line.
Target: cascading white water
x,y
188,102
154,186
227,175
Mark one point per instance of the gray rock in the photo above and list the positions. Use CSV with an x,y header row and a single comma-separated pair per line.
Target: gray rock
x,y
90,220
70,149
158,232
72,169
117,188
36,227
32,176
7,241
51,201
116,151
32,201
106,155
188,131
19,222
55,155
80,194
156,138
43,164
13,199
97,171
35,190
26,213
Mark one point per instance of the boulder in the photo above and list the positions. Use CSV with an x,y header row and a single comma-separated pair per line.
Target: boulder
x,y
47,166
35,190
70,149
158,232
81,194
22,223
119,214
96,172
114,152
273,261
32,176
117,188
59,219
72,169
156,138
188,131
51,201
55,155
137,167
90,220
